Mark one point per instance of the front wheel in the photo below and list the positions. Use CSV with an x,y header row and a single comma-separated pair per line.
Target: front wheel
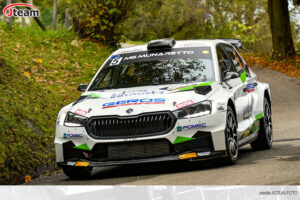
x,y
265,135
77,172
232,147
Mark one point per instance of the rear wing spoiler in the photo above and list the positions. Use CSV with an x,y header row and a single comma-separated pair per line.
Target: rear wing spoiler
x,y
237,43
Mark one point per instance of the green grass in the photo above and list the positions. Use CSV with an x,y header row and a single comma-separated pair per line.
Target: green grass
x,y
39,74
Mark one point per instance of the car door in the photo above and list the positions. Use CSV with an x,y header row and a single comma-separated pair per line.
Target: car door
x,y
251,83
238,87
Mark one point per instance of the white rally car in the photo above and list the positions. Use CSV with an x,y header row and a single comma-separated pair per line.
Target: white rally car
x,y
167,100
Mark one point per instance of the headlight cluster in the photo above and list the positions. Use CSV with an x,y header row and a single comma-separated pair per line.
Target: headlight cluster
x,y
75,120
195,110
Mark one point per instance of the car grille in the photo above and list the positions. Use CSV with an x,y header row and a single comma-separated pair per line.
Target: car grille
x,y
120,151
117,127
136,150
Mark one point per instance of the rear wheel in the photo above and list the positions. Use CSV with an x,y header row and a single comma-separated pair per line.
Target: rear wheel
x,y
77,172
265,135
232,147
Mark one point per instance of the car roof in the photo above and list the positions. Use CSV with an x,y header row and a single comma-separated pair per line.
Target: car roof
x,y
179,44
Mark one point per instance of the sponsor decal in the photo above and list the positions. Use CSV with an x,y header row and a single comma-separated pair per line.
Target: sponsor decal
x,y
81,112
130,110
73,136
161,54
204,153
246,111
187,155
12,11
191,45
251,87
114,57
129,51
82,164
184,104
246,133
179,128
132,102
189,127
116,61
221,107
71,163
138,92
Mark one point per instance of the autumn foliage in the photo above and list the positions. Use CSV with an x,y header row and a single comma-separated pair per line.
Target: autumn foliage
x,y
289,66
100,19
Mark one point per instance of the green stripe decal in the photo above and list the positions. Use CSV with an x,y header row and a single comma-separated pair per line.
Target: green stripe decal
x,y
243,77
192,87
93,95
255,126
259,116
83,147
180,139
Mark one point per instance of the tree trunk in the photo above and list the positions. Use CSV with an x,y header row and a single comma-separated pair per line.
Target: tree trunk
x,y
281,29
38,21
67,19
9,19
54,19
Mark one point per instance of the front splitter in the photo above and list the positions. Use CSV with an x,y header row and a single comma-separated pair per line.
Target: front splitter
x,y
184,156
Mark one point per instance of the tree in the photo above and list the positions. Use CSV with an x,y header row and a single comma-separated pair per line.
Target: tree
x,y
100,19
54,19
281,29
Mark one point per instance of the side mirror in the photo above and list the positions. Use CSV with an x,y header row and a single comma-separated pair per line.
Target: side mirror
x,y
82,87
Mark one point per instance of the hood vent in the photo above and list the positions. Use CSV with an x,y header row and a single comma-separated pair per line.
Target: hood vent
x,y
203,89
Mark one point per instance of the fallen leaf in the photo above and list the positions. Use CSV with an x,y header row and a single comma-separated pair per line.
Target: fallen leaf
x,y
26,73
86,64
27,178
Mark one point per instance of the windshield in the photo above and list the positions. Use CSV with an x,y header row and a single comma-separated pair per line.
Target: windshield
x,y
159,68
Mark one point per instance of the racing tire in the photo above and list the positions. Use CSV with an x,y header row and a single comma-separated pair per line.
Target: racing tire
x,y
232,147
77,172
265,135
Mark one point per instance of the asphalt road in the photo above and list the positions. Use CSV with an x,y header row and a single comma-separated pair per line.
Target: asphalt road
x,y
278,166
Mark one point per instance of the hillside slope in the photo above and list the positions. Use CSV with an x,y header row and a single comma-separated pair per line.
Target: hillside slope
x,y
39,74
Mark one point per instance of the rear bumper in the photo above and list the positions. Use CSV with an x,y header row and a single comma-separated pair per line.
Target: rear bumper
x,y
190,156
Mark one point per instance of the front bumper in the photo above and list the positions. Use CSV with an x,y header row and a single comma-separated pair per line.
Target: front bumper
x,y
199,156
215,142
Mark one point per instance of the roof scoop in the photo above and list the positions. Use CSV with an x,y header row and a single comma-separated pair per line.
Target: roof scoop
x,y
166,43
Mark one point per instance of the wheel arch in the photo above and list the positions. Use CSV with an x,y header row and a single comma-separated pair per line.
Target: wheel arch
x,y
231,104
267,95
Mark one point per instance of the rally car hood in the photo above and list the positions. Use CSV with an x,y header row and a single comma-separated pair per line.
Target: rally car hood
x,y
137,100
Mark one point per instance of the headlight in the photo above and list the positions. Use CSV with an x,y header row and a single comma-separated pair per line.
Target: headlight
x,y
195,110
75,120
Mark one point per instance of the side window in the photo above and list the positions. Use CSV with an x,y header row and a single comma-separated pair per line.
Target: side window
x,y
221,57
235,58
244,65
